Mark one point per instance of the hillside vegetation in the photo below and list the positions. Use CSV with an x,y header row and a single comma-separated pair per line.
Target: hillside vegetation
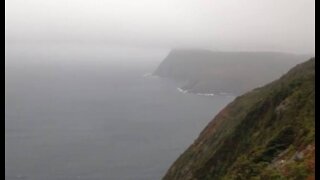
x,y
267,133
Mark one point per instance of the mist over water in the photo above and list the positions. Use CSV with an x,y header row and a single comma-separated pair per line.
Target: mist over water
x,y
90,112
232,25
79,99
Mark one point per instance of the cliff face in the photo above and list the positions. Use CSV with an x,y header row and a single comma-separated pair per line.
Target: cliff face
x,y
203,71
267,133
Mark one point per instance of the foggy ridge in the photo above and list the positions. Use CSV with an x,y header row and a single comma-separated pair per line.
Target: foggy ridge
x,y
205,71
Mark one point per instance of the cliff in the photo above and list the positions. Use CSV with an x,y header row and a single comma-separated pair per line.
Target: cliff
x,y
204,71
267,133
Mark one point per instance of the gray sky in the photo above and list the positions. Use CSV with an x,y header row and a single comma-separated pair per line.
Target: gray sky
x,y
271,25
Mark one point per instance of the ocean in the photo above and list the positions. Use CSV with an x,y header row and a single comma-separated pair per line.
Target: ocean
x,y
93,112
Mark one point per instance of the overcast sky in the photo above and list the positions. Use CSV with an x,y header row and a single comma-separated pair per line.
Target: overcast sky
x,y
228,25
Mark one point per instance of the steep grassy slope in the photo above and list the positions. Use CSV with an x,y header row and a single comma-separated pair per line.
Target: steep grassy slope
x,y
267,133
204,71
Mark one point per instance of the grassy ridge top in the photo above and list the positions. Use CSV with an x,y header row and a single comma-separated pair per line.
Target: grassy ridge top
x,y
267,133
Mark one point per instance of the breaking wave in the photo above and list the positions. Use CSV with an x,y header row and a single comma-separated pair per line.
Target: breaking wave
x,y
199,94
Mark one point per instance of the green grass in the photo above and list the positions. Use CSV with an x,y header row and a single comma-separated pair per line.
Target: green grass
x,y
251,132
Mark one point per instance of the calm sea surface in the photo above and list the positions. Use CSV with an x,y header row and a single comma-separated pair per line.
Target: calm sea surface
x,y
94,113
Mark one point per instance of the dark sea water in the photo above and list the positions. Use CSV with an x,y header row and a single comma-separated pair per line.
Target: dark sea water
x,y
92,113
